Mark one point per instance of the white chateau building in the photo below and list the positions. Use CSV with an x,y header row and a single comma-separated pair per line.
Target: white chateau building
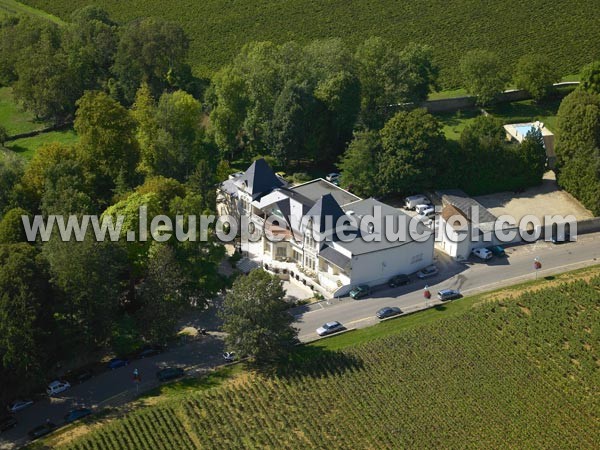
x,y
308,247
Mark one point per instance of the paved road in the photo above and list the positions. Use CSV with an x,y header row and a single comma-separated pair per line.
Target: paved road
x,y
470,277
115,388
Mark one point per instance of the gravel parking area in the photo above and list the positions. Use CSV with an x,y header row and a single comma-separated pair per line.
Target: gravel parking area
x,y
546,199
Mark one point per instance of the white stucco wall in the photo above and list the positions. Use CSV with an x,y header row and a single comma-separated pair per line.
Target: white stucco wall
x,y
378,267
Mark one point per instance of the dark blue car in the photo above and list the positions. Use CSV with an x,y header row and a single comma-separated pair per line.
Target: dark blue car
x,y
77,414
115,363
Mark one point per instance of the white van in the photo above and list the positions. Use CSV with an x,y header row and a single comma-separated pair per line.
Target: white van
x,y
414,200
425,210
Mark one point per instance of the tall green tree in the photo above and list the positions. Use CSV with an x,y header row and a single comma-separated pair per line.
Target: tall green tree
x,y
359,165
153,51
66,190
18,35
256,319
90,43
107,142
11,227
483,75
179,116
578,147
163,295
533,153
536,74
47,85
590,78
389,76
412,145
26,307
290,129
11,171
340,96
89,275
379,71
419,71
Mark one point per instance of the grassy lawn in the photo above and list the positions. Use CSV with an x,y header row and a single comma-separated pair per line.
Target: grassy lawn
x,y
13,118
515,112
455,123
12,7
26,147
201,383
529,111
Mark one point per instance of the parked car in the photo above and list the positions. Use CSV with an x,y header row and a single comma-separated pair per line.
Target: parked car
x,y
84,375
7,422
333,176
412,201
77,414
57,386
398,280
448,294
427,272
425,210
115,363
330,328
360,291
497,250
41,430
148,351
18,405
482,253
388,311
169,373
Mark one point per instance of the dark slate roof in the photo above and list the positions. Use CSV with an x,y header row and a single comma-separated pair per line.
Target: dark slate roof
x,y
335,257
316,189
325,207
260,179
464,203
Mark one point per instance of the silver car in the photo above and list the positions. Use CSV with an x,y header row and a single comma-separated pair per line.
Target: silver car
x,y
329,328
427,272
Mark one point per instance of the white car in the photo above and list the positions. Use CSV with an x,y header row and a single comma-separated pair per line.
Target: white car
x,y
333,176
330,327
18,405
229,356
56,387
414,200
482,253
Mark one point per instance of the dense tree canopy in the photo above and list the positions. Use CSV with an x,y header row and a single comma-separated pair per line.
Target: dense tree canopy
x,y
536,74
590,78
153,51
107,143
483,75
26,306
302,103
256,319
359,165
578,147
412,144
